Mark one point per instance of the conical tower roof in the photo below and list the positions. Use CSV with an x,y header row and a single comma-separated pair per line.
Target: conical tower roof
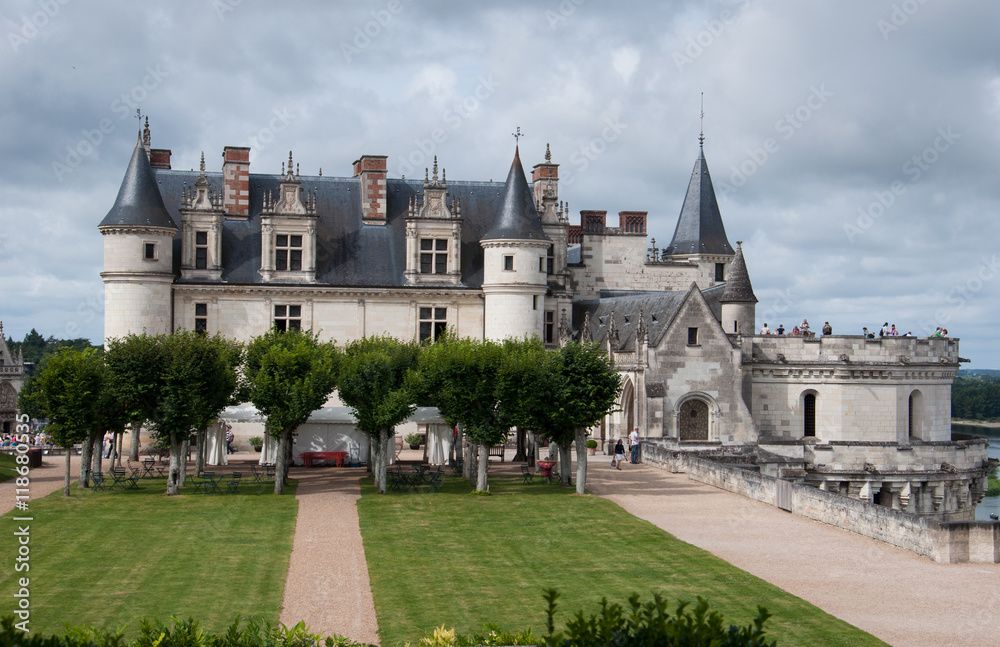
x,y
516,217
699,227
139,203
738,288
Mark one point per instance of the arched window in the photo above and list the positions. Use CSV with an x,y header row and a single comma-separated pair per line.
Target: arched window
x,y
809,414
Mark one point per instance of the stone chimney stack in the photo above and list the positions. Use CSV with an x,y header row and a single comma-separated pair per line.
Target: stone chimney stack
x,y
370,169
236,181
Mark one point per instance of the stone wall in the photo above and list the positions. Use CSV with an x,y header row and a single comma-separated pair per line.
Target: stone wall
x,y
947,543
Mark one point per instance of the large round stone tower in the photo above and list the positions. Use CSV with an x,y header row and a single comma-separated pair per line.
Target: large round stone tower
x,y
138,255
739,305
514,271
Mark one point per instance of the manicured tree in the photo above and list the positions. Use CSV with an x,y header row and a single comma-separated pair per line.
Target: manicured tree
x,y
135,365
69,387
288,375
587,391
460,377
197,382
377,382
527,383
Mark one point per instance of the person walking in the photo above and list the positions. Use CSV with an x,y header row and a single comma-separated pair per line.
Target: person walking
x,y
619,454
633,445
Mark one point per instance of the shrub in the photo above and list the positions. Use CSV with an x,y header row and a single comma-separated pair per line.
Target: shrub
x,y
183,633
652,624
591,444
414,439
256,441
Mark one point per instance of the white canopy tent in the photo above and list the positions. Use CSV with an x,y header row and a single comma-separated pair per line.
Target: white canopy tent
x,y
335,429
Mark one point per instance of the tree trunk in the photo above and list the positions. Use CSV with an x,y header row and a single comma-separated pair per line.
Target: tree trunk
x,y
379,454
532,449
173,475
199,460
484,455
96,457
281,461
134,448
185,450
83,479
69,455
469,468
521,453
581,460
565,462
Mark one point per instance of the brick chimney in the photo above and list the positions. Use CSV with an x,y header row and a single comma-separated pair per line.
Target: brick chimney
x,y
159,158
545,178
370,169
236,180
593,222
632,222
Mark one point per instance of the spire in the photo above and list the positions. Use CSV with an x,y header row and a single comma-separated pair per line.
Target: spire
x,y
701,135
139,203
738,288
699,226
516,217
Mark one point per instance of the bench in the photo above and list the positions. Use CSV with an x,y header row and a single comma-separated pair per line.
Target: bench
x,y
309,457
496,451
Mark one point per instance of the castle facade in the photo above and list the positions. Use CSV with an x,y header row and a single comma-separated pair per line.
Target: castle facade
x,y
236,252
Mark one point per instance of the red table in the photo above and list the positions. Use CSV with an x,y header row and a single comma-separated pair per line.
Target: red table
x,y
309,457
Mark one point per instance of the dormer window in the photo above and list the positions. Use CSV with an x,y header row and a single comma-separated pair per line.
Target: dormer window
x,y
200,250
287,252
433,256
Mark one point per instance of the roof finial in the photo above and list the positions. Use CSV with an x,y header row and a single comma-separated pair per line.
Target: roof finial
x,y
548,153
203,162
701,135
517,134
435,169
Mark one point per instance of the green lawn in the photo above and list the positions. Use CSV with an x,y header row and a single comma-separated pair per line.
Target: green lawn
x,y
463,560
7,466
108,559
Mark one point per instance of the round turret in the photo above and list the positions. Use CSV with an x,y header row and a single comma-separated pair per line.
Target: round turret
x,y
138,255
739,305
514,273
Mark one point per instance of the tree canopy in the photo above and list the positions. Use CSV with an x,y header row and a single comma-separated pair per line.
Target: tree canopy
x,y
377,382
287,375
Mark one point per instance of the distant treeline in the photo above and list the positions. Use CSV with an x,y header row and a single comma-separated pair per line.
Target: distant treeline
x,y
976,398
36,347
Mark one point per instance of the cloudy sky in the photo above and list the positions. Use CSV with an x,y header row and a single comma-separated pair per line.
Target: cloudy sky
x,y
854,145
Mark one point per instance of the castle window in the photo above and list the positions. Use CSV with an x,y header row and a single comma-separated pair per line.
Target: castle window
x,y
149,251
433,323
201,318
287,252
433,256
550,260
550,326
508,262
288,318
720,271
200,250
692,336
809,414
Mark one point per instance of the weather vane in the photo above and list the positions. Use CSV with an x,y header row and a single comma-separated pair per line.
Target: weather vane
x,y
138,115
517,134
701,135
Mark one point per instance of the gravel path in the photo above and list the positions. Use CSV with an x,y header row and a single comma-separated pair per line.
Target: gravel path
x,y
327,583
44,480
900,597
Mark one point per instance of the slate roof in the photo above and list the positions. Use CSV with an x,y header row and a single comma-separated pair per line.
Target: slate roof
x,y
738,288
516,217
658,311
139,203
348,253
699,227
